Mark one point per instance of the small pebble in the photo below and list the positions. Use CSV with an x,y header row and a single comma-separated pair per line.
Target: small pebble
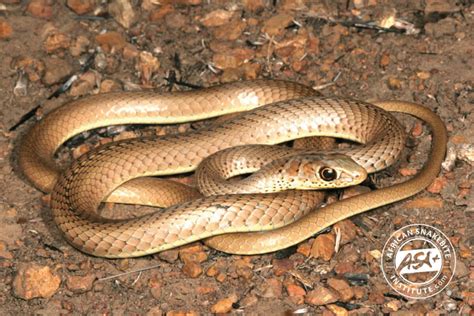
x,y
230,31
169,256
32,281
56,70
111,41
437,185
441,28
384,60
271,288
79,45
212,270
109,85
376,254
217,17
359,292
34,68
56,41
155,287
348,230
206,289
376,297
417,129
81,6
6,29
80,284
425,202
232,59
276,24
161,12
304,248
175,20
344,267
281,266
147,65
337,310
243,268
154,311
192,252
248,301
394,83
342,287
254,5
437,6
221,277
323,247
296,293
423,75
192,269
123,12
406,172
321,296
41,8
224,305
4,253
393,305
84,84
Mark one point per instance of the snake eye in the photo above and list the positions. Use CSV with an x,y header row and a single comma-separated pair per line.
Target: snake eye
x,y
327,174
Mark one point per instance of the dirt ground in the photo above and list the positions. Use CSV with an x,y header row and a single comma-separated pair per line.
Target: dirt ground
x,y
137,45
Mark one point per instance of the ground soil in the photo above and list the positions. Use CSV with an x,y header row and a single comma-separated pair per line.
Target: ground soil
x,y
433,67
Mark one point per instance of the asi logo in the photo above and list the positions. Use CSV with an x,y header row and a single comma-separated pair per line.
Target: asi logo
x,y
418,261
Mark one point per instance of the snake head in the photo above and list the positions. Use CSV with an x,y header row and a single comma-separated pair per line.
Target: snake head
x,y
322,171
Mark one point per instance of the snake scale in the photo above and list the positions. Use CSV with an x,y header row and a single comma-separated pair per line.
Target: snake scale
x,y
291,111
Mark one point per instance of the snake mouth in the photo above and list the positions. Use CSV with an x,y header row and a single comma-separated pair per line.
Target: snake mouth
x,y
355,177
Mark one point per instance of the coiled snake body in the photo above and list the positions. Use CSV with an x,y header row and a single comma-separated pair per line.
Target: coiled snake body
x,y
106,172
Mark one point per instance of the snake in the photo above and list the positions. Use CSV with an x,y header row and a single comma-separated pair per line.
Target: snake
x,y
275,112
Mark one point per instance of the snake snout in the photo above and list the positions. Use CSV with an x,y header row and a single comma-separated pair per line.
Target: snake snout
x,y
359,175
353,176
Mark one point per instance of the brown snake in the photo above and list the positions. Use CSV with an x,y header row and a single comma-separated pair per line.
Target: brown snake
x,y
95,175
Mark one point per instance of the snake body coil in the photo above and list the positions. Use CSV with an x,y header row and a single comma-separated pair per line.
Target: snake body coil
x,y
97,175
